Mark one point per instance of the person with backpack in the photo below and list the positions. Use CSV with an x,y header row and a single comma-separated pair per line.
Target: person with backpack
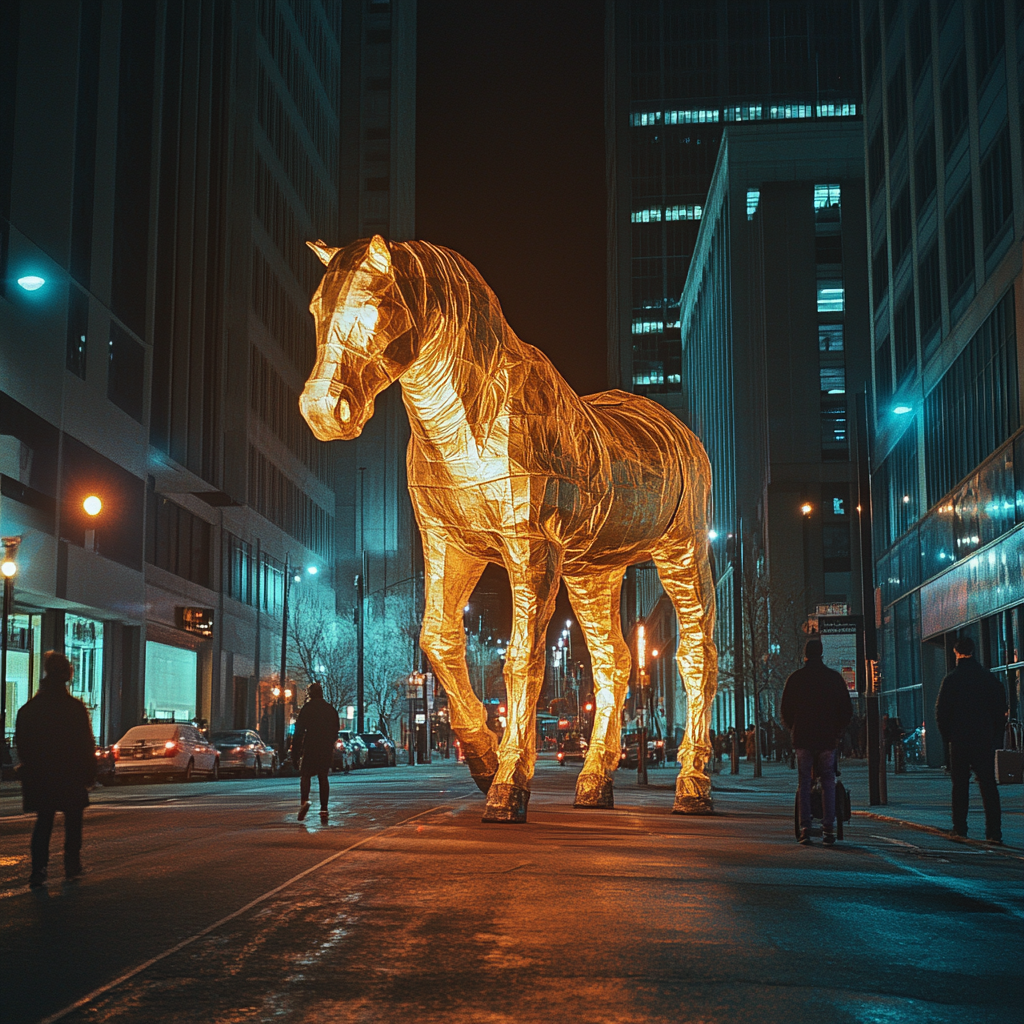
x,y
816,709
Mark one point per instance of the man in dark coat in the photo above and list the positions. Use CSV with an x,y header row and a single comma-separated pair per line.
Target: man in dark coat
x,y
816,709
57,765
316,732
971,715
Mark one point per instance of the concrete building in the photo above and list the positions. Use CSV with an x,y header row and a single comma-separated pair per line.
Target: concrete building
x,y
944,98
160,167
774,327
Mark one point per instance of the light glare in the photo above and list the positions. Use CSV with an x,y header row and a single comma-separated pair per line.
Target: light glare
x,y
31,282
92,505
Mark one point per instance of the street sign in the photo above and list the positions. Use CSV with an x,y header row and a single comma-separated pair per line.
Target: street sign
x,y
421,719
841,642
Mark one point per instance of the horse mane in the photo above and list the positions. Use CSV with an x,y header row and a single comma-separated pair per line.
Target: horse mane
x,y
452,304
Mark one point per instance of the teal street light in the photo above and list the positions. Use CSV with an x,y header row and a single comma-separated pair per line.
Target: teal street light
x,y
31,282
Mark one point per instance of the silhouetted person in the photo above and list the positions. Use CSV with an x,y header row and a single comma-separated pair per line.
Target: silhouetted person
x,y
58,765
816,709
316,732
971,715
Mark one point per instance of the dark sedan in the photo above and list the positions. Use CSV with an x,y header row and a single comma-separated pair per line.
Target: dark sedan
x,y
380,749
358,752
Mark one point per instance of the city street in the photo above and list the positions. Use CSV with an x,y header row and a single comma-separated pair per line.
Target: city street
x,y
211,902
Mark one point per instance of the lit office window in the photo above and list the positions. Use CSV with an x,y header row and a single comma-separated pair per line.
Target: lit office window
x,y
789,111
648,326
830,337
645,118
746,113
691,117
683,213
648,373
753,198
650,216
833,380
825,196
830,295
837,110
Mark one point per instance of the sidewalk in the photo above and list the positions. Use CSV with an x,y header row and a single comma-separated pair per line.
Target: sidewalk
x,y
919,798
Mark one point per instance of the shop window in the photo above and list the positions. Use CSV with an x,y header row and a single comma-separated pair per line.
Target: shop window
x,y
24,664
171,683
83,645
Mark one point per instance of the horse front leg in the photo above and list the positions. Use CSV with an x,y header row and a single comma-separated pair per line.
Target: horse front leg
x,y
450,576
596,601
534,582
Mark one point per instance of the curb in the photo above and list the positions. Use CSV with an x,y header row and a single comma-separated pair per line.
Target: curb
x,y
1003,851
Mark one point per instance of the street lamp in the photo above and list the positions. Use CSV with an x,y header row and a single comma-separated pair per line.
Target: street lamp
x,y
641,704
93,506
9,569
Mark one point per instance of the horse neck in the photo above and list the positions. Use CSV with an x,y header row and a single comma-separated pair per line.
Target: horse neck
x,y
457,385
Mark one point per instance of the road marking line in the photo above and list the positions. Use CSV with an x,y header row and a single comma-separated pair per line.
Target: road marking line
x,y
224,920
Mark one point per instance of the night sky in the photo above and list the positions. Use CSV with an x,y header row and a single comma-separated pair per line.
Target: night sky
x,y
510,163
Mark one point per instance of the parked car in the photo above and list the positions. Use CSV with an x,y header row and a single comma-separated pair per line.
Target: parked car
x,y
380,749
629,758
244,751
358,751
169,750
342,760
105,765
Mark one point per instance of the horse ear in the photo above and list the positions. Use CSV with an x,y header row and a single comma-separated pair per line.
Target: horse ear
x,y
323,250
378,255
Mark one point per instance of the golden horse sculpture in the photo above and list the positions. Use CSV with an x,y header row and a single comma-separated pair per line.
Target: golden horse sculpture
x,y
508,465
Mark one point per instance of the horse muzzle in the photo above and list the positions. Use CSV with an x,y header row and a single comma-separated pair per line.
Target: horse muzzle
x,y
329,418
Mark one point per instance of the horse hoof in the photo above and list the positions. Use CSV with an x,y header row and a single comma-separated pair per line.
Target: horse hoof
x,y
593,790
506,804
693,805
483,782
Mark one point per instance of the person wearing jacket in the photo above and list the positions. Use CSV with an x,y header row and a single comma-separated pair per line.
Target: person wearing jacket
x,y
57,769
316,732
816,709
971,715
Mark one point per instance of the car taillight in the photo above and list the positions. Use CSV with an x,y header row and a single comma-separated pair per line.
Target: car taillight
x,y
561,756
116,751
170,748
660,743
339,745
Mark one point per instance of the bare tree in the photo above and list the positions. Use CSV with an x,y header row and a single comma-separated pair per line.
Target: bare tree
x,y
387,655
324,645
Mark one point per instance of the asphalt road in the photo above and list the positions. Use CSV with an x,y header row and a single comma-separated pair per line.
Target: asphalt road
x,y
210,902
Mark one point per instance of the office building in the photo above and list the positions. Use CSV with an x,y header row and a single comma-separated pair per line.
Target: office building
x,y
160,168
943,100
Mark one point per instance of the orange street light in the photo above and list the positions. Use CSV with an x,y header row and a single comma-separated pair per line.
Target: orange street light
x,y
92,505
806,508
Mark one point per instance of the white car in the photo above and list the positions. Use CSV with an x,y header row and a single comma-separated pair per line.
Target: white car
x,y
170,750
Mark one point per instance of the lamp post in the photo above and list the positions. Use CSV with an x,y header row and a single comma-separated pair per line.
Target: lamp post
x,y
641,659
9,568
734,550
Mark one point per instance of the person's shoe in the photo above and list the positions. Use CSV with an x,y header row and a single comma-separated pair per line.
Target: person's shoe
x,y
993,841
36,879
956,833
805,837
303,810
323,817
828,838
73,873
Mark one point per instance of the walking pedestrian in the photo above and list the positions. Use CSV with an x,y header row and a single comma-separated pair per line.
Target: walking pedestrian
x,y
57,768
971,715
316,732
816,709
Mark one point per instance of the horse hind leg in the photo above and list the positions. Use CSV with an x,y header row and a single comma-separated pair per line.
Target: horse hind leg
x,y
595,599
685,573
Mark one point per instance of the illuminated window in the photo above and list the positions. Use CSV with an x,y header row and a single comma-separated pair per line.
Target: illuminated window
x,y
651,216
648,373
644,118
753,198
691,117
833,380
837,110
830,295
830,337
648,326
788,111
683,213
746,113
826,195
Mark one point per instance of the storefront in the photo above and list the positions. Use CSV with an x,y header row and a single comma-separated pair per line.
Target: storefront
x,y
83,645
24,664
171,683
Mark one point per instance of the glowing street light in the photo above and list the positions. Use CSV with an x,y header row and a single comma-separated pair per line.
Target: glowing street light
x,y
92,505
902,410
806,508
31,282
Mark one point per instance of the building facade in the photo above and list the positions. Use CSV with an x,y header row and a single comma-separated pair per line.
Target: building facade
x,y
188,152
774,344
943,100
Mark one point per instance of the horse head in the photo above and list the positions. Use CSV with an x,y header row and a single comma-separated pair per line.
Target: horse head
x,y
364,337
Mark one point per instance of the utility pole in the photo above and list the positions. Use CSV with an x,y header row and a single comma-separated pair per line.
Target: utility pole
x,y
641,676
359,648
279,712
734,550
